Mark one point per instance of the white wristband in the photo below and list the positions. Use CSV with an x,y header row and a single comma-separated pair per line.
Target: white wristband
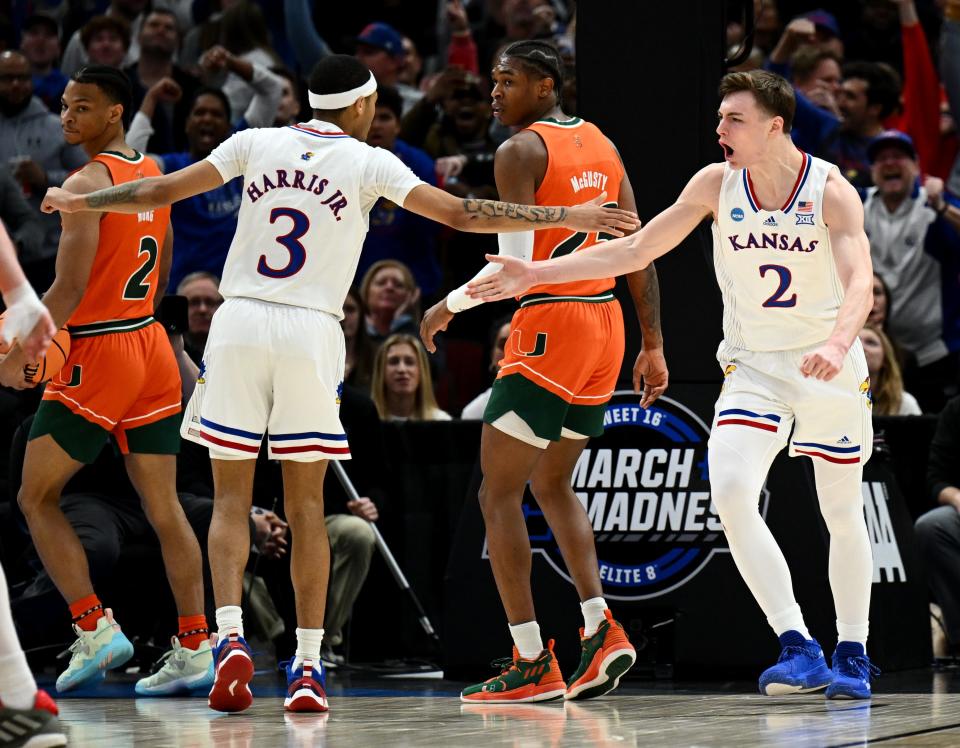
x,y
21,293
458,301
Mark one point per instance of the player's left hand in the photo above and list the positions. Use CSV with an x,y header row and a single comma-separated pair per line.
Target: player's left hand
x,y
436,319
823,363
591,216
515,277
650,375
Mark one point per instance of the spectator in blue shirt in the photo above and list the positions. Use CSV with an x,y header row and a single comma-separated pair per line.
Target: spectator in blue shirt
x,y
394,232
40,44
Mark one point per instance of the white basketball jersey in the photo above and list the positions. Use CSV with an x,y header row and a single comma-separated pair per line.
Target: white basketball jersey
x,y
775,268
308,190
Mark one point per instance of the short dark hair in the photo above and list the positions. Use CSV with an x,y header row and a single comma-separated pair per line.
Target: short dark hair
x,y
540,58
336,74
105,23
883,84
389,97
217,93
806,59
114,84
772,92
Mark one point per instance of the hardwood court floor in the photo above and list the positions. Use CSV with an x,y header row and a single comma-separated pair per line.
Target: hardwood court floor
x,y
390,713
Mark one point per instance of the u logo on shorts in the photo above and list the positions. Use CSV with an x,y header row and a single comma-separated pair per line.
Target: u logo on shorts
x,y
539,347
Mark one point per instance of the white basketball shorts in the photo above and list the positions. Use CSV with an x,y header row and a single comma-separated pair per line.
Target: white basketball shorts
x,y
269,369
766,391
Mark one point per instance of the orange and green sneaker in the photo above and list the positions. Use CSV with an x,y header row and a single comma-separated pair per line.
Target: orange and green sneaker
x,y
520,681
604,657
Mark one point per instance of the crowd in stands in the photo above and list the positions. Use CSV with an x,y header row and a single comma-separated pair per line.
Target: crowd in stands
x,y
878,93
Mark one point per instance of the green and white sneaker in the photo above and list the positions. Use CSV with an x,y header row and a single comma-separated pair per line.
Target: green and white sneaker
x,y
183,670
95,652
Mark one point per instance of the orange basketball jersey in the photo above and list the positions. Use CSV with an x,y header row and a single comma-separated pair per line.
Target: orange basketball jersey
x,y
581,163
123,279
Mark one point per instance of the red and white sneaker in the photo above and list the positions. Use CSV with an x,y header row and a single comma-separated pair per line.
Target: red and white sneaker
x,y
305,687
233,665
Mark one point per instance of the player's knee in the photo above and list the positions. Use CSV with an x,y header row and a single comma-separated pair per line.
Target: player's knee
x,y
843,514
546,487
32,498
733,491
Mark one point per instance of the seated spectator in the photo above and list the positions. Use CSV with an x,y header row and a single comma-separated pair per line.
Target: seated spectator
x,y
395,233
938,531
817,75
25,225
916,250
886,382
500,332
106,40
130,12
288,110
159,39
358,365
202,291
881,303
204,225
402,385
40,44
33,149
392,299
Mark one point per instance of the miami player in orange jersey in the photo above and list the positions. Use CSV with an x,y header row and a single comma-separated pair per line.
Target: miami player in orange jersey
x,y
121,380
559,369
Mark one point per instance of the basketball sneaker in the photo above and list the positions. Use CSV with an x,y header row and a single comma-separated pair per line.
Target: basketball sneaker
x,y
233,671
801,667
305,687
604,657
95,652
183,670
852,672
520,680
32,728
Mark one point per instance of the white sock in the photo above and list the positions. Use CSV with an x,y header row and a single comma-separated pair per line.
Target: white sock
x,y
790,619
853,632
229,621
526,637
18,689
308,646
593,614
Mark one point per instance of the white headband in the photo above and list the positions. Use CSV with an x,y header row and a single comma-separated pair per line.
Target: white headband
x,y
327,102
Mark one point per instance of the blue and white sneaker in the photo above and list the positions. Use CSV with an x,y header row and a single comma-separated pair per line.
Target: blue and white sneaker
x,y
233,671
95,652
305,687
852,672
800,669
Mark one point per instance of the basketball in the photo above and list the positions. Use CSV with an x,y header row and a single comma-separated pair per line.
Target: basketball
x,y
49,363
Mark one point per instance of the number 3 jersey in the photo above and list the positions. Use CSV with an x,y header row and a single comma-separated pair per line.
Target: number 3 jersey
x,y
776,270
124,276
307,193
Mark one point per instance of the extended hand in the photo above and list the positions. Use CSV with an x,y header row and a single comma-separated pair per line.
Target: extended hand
x,y
436,319
364,508
823,363
515,277
58,199
650,375
591,216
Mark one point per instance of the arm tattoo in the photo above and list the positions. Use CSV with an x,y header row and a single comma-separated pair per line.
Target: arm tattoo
x,y
645,290
121,193
480,209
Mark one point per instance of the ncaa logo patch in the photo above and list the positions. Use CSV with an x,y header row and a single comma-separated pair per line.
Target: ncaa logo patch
x,y
737,214
645,486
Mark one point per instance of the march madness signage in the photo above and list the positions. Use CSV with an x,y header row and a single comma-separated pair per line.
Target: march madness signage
x,y
645,486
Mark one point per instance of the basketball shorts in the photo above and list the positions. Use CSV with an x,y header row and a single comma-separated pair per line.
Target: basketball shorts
x,y
124,384
766,391
560,367
270,370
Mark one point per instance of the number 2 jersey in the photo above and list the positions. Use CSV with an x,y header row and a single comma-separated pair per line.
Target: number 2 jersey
x,y
776,271
124,276
307,193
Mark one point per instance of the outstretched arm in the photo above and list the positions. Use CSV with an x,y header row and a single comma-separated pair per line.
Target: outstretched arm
x,y
26,318
139,195
843,214
663,233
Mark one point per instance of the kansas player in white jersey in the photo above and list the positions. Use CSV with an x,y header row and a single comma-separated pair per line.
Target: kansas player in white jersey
x,y
273,363
793,263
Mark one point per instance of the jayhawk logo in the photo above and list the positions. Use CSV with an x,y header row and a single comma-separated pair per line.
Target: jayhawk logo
x,y
339,392
200,374
306,156
727,371
866,391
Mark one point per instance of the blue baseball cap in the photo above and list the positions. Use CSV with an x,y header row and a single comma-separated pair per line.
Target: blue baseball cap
x,y
383,36
823,20
894,138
